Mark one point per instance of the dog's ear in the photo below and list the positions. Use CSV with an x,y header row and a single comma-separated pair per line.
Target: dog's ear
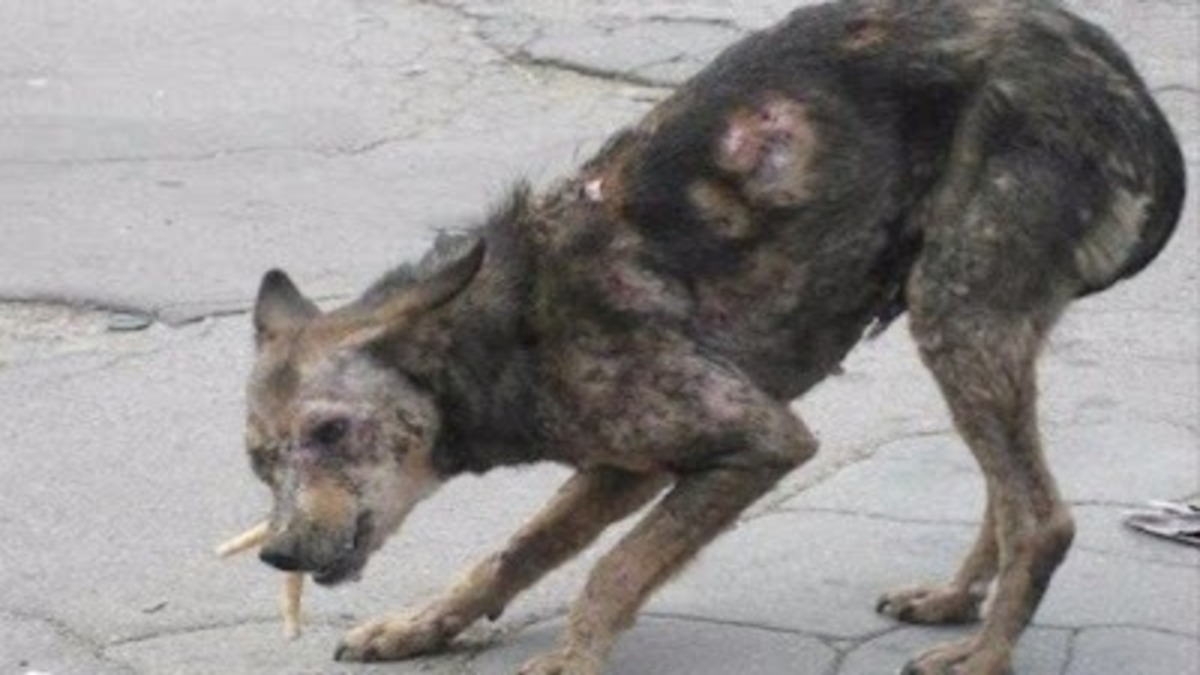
x,y
280,307
450,281
398,311
439,289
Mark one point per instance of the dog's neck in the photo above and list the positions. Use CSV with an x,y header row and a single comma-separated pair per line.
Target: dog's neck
x,y
486,387
476,357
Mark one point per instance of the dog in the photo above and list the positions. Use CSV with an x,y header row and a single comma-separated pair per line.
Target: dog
x,y
978,164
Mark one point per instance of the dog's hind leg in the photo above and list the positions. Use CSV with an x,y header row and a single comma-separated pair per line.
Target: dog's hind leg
x,y
583,507
985,367
984,294
959,600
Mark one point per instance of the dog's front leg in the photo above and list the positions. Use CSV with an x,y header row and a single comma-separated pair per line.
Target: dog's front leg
x,y
700,506
584,506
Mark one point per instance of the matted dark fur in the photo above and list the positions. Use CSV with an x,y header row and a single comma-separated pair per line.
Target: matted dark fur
x,y
978,163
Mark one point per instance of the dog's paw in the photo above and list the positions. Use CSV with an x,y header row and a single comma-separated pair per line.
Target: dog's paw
x,y
391,639
962,657
563,662
931,604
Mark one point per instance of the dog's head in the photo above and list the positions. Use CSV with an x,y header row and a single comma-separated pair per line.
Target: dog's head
x,y
341,434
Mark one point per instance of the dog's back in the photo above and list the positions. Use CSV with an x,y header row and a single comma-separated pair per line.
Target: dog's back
x,y
970,77
1038,75
782,195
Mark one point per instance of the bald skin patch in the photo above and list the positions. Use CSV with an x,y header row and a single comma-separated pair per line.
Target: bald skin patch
x,y
771,149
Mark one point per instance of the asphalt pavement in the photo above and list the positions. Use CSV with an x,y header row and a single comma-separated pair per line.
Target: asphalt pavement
x,y
157,157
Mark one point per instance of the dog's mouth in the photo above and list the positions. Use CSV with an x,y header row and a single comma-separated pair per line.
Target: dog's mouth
x,y
349,565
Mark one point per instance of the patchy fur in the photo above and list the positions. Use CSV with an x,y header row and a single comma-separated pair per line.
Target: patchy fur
x,y
979,163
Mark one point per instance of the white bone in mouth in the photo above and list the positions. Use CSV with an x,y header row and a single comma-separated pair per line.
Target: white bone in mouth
x,y
251,538
293,582
289,604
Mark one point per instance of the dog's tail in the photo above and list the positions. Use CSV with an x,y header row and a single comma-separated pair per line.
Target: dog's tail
x,y
1160,210
1141,219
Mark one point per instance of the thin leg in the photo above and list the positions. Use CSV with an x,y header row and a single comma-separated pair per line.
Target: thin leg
x,y
985,366
959,600
993,276
588,502
699,507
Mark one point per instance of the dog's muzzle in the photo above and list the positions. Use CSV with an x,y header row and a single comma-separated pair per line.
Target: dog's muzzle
x,y
330,560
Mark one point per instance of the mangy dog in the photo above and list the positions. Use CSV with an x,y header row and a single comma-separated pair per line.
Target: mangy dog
x,y
976,163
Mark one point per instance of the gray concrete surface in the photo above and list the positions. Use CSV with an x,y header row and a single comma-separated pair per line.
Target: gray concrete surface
x,y
157,157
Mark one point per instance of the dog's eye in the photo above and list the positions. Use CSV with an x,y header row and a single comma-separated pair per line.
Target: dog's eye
x,y
330,432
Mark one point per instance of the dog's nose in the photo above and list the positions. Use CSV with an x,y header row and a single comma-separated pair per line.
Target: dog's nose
x,y
281,557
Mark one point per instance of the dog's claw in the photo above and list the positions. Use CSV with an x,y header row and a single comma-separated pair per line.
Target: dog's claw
x,y
961,657
392,639
930,604
347,654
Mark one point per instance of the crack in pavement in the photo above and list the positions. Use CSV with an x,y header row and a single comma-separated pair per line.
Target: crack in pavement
x,y
1083,419
474,19
827,639
464,650
334,151
327,152
843,652
777,499
521,57
81,304
1069,650
171,315
1144,560
203,627
1176,89
1116,626
969,523
371,21
93,647
177,314
460,654
835,643
731,24
1106,503
479,638
1075,634
951,522
368,21
100,351
152,159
